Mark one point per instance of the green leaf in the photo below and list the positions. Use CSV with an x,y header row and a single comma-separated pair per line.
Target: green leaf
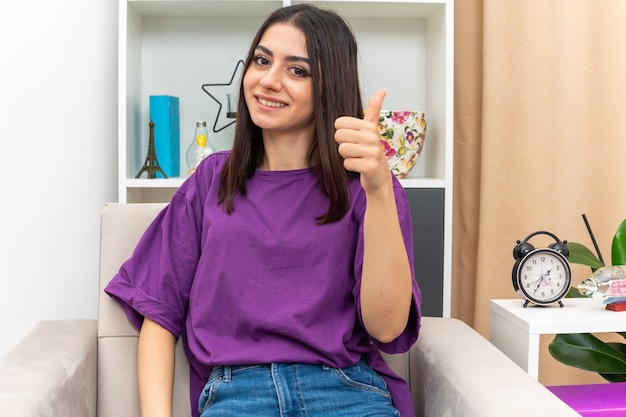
x,y
587,352
614,377
621,347
579,254
618,249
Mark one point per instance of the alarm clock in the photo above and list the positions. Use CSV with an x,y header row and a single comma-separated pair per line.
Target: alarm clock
x,y
541,276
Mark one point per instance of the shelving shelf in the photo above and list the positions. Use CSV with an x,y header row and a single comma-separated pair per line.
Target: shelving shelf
x,y
173,47
174,183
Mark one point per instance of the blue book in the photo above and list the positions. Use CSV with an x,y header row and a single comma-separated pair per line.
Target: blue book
x,y
164,112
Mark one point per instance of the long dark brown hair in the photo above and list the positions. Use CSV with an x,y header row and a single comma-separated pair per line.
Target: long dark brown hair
x,y
332,50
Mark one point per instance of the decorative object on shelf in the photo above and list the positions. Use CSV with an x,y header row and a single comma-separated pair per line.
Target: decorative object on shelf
x,y
231,110
585,350
151,165
541,276
402,135
607,285
220,87
199,148
164,112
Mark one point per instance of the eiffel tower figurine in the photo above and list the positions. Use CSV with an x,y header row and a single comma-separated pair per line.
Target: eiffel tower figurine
x,y
151,166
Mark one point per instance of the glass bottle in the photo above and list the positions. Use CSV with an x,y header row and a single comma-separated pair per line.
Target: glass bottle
x,y
607,284
199,148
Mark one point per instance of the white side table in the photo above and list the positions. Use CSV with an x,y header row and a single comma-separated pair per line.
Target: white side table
x,y
515,330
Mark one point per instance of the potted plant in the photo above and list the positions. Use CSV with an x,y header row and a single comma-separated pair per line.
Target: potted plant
x,y
584,350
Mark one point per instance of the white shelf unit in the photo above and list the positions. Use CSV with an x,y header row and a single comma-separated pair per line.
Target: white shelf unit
x,y
173,47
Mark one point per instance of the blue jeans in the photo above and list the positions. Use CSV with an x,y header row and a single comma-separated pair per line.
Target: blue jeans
x,y
296,390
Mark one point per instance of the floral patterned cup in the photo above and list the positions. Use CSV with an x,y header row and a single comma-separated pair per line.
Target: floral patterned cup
x,y
402,135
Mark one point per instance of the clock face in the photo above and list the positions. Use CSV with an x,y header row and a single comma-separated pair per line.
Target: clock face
x,y
543,276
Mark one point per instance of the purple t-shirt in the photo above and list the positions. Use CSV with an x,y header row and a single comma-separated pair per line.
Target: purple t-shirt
x,y
263,284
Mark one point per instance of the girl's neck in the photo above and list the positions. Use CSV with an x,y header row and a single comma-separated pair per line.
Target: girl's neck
x,y
285,153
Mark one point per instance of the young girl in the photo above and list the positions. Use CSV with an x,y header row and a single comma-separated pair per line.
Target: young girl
x,y
285,264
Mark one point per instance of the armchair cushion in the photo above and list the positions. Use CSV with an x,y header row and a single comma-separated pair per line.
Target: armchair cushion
x,y
121,227
51,372
454,371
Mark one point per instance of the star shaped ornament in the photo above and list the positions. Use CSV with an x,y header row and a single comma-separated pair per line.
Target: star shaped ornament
x,y
219,93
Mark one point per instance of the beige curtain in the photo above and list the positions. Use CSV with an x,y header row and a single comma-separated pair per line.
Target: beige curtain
x,y
540,110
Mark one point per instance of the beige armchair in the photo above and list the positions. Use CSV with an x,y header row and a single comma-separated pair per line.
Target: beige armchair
x,y
86,368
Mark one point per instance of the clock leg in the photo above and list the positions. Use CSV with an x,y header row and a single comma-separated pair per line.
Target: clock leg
x,y
561,303
526,303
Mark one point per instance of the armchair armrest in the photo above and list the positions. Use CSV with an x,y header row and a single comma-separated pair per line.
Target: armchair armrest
x,y
454,371
52,372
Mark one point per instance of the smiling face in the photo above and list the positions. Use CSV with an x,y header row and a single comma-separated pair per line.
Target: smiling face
x,y
277,85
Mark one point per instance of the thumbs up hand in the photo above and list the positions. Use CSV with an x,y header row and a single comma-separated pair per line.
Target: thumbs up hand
x,y
359,145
